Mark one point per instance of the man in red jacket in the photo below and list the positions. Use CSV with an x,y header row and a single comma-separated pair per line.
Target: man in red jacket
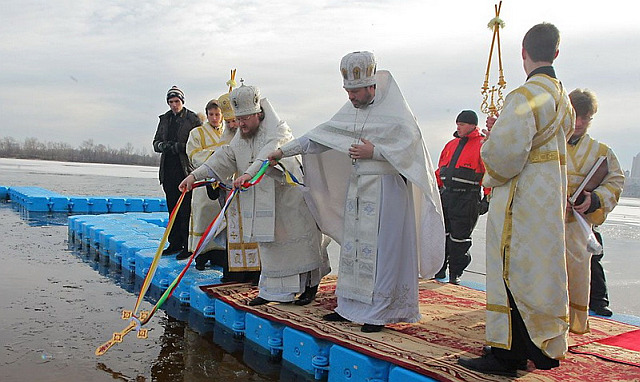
x,y
459,175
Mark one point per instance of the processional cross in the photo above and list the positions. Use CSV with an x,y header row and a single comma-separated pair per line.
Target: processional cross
x,y
134,324
492,98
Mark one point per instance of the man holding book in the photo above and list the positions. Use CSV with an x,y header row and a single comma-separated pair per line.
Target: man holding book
x,y
593,166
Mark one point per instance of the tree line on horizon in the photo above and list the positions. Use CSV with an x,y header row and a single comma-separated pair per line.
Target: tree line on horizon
x,y
87,152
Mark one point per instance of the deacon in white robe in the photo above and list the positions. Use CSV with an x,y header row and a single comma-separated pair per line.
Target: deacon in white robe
x,y
525,162
202,143
383,208
583,153
274,213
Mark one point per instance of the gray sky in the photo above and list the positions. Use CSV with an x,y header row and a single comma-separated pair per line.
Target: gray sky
x,y
77,70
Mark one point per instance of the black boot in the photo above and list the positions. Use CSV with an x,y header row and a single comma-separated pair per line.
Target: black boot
x,y
258,301
334,317
520,365
371,328
185,254
307,296
172,250
488,364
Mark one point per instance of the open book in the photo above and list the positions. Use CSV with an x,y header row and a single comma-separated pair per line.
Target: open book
x,y
593,179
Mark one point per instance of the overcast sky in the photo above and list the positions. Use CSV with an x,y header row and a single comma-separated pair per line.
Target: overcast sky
x,y
77,70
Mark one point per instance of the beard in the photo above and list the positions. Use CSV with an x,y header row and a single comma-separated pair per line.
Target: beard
x,y
249,134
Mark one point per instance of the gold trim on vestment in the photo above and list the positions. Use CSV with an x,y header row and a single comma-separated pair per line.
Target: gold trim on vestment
x,y
498,308
494,174
241,245
546,133
537,156
507,230
526,93
498,345
579,167
582,308
216,141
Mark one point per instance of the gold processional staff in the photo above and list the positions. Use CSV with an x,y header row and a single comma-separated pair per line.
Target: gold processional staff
x,y
492,106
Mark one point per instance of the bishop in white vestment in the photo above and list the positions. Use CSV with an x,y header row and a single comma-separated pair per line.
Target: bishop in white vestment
x,y
274,213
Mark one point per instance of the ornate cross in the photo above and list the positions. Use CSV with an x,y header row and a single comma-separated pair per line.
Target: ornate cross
x,y
492,106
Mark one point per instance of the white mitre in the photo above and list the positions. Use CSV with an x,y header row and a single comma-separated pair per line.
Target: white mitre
x,y
245,100
358,70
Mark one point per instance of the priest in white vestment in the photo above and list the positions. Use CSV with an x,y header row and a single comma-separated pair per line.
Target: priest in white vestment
x,y
371,186
274,213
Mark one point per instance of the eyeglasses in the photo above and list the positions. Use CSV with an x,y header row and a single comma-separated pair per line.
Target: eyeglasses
x,y
245,118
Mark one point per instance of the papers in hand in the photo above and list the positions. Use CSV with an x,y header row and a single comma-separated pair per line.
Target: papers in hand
x,y
592,180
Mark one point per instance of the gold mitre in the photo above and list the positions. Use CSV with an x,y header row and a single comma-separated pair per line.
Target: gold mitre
x,y
225,102
358,70
225,107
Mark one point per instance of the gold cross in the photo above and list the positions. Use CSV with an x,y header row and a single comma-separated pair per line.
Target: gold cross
x,y
134,324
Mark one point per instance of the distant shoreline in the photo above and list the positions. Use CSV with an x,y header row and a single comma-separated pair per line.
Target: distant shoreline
x,y
87,152
79,161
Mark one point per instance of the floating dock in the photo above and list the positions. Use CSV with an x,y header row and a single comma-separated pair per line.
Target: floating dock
x,y
125,234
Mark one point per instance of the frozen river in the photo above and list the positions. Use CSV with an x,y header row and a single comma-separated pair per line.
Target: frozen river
x,y
56,309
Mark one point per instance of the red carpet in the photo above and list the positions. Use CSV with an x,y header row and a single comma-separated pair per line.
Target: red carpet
x,y
452,325
623,348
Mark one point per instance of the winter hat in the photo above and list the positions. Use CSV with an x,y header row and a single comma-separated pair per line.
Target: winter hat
x,y
468,116
175,92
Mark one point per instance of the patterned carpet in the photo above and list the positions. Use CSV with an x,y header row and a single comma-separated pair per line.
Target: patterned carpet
x,y
452,325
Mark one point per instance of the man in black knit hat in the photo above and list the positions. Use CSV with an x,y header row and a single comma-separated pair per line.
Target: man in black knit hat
x,y
459,176
171,140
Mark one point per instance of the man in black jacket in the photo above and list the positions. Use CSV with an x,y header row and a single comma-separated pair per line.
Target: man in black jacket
x,y
171,140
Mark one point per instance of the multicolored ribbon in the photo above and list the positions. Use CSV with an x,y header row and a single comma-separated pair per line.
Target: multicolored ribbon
x,y
143,317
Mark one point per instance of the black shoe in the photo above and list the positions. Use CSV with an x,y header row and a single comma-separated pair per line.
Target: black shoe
x,y
171,250
521,365
200,266
334,317
370,328
307,296
258,301
454,279
185,254
440,275
602,311
488,364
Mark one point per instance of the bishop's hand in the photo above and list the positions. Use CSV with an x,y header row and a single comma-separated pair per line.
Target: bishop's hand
x,y
187,183
242,179
274,157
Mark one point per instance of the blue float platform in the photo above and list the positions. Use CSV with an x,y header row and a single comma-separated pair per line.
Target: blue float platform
x,y
128,240
37,199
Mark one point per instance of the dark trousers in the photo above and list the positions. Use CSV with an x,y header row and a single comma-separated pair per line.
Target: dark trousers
x,y
460,218
598,297
179,235
522,348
